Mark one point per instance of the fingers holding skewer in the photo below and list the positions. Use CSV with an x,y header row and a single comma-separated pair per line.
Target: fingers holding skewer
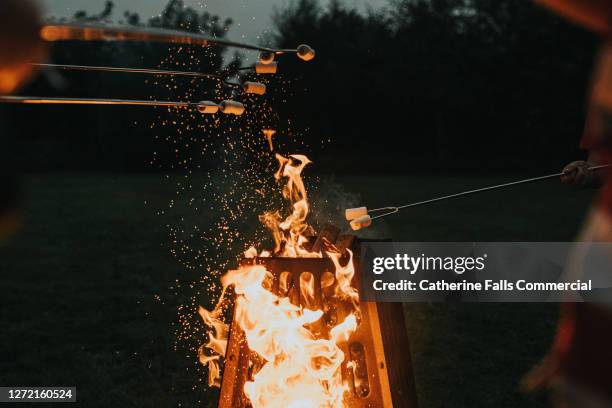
x,y
580,174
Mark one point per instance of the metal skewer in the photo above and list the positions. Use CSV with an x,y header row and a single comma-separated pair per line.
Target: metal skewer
x,y
130,70
362,214
86,101
93,32
228,107
146,71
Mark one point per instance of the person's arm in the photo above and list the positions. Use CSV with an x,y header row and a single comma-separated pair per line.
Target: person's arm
x,y
594,14
579,174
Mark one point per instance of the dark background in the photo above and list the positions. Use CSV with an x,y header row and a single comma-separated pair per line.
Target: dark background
x,y
127,209
421,86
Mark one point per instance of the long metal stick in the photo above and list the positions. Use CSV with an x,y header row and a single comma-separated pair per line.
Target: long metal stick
x,y
393,210
129,70
36,100
145,71
92,32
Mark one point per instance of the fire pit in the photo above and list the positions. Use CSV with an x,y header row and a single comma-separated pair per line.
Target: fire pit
x,y
377,371
299,334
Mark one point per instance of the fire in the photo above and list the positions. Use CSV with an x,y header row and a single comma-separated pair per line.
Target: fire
x,y
289,234
299,355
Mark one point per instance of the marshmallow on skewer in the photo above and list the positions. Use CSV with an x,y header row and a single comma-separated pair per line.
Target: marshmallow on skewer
x,y
352,213
270,68
361,222
232,108
208,107
254,88
305,52
266,57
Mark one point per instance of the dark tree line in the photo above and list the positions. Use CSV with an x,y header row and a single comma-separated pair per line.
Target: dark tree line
x,y
446,84
440,83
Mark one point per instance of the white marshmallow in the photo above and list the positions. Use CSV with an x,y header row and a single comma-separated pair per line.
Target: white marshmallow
x,y
232,108
254,88
208,107
270,68
352,213
305,52
361,222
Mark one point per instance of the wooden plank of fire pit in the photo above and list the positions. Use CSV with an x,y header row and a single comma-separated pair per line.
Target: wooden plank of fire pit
x,y
397,353
396,344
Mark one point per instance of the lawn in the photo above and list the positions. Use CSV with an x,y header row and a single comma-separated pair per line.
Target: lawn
x,y
90,290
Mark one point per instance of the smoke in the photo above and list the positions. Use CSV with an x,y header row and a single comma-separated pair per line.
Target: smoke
x,y
329,199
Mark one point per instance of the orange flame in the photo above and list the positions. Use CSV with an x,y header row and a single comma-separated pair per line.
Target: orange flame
x,y
300,368
288,234
217,343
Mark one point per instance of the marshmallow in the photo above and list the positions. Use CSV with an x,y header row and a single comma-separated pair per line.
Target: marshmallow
x,y
305,52
361,222
208,107
254,88
266,57
270,68
232,108
352,213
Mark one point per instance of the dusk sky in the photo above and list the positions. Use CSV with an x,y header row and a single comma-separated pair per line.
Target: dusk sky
x,y
251,17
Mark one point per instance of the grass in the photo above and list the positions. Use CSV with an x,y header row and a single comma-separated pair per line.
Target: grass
x,y
89,291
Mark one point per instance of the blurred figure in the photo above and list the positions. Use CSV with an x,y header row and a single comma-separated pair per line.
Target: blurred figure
x,y
578,366
20,44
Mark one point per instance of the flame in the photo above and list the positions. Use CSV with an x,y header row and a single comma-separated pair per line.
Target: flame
x,y
269,134
217,343
288,234
300,363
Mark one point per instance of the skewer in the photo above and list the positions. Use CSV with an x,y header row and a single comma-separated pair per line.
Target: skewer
x,y
93,32
130,70
145,71
36,100
204,107
247,87
360,217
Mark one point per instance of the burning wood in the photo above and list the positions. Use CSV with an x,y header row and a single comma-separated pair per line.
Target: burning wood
x,y
299,336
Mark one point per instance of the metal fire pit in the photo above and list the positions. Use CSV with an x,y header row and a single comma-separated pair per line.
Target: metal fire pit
x,y
382,376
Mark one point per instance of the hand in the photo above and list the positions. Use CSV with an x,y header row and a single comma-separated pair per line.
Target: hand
x,y
579,174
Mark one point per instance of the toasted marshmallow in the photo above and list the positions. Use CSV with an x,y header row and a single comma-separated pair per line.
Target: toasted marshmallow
x,y
305,52
270,68
232,108
266,57
208,107
254,88
352,213
361,222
